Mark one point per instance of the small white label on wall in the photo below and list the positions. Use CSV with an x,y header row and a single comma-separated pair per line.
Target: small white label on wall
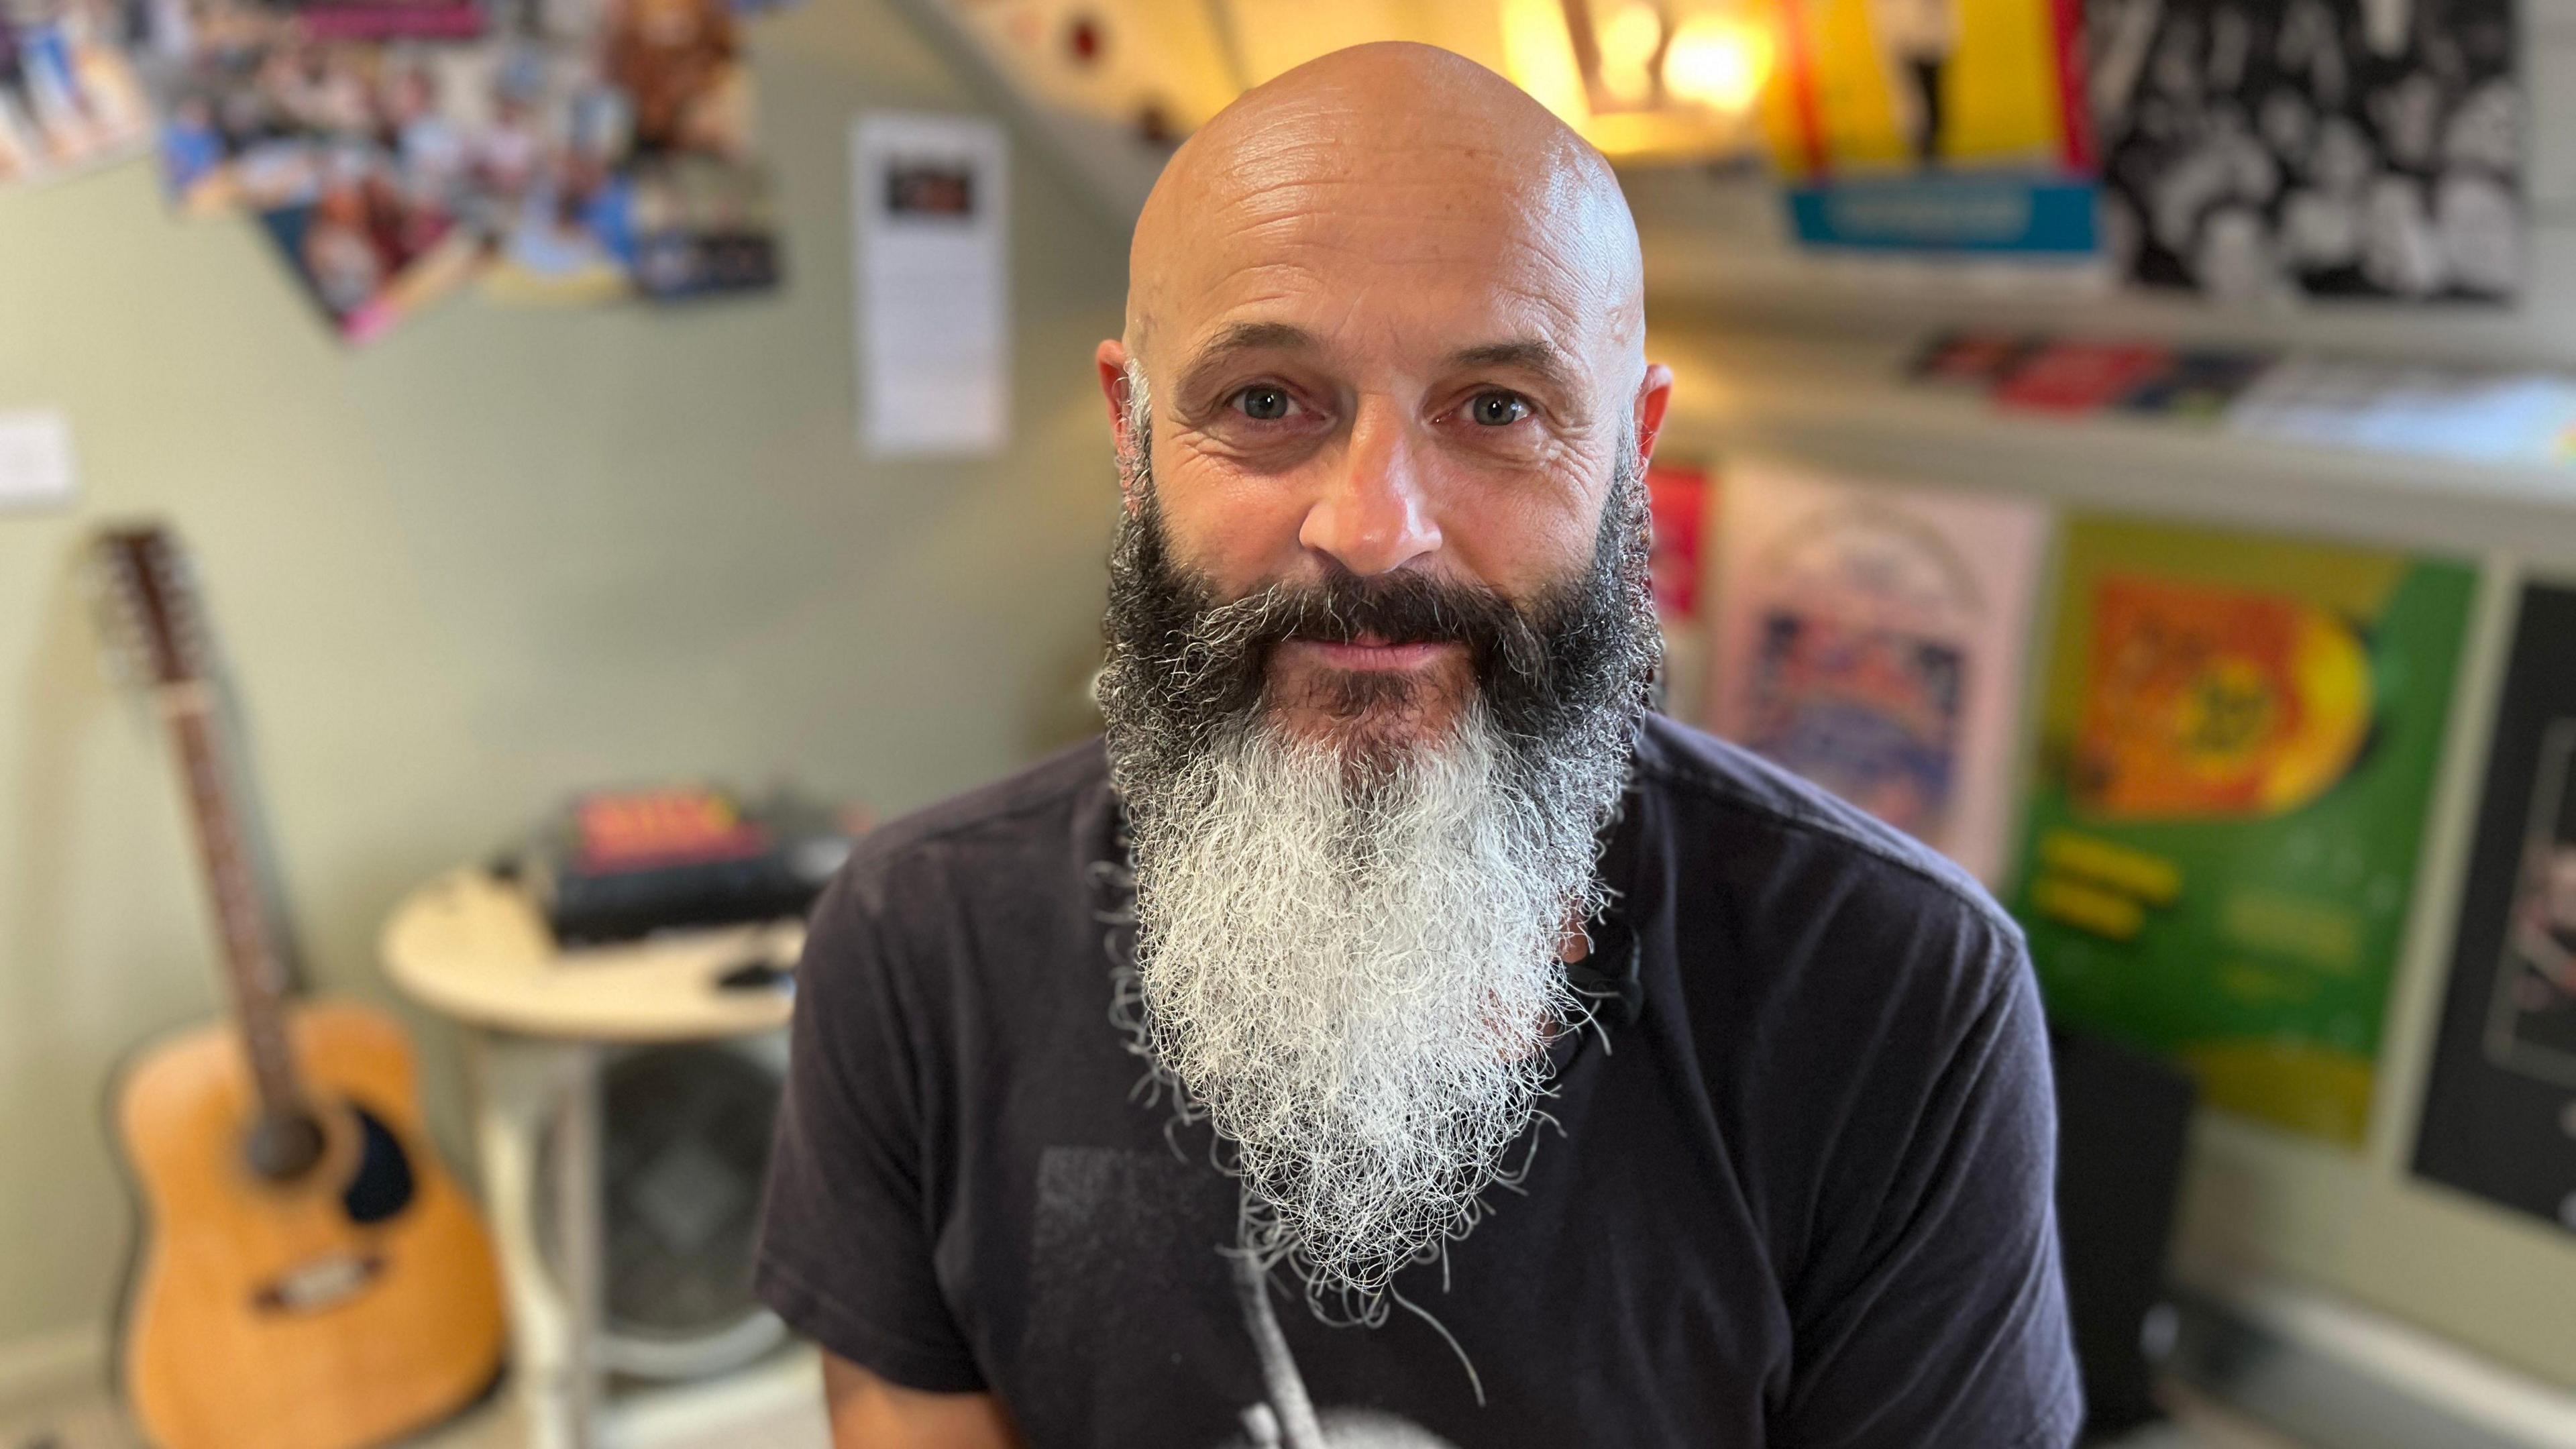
x,y
36,468
930,208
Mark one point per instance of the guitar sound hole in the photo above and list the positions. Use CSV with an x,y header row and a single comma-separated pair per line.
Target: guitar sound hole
x,y
382,1186
284,1146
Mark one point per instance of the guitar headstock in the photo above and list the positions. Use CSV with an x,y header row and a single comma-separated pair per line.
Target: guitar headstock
x,y
150,605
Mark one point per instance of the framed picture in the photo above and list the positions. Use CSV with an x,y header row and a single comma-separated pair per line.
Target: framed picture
x,y
2238,749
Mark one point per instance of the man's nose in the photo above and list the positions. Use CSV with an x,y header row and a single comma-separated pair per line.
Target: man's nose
x,y
1374,518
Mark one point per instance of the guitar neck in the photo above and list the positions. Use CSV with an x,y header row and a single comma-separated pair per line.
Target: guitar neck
x,y
254,975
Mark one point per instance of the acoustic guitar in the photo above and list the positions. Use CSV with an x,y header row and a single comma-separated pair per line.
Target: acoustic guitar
x,y
307,1274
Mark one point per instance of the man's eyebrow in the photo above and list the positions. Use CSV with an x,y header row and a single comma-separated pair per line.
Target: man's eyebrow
x,y
1244,337
1533,355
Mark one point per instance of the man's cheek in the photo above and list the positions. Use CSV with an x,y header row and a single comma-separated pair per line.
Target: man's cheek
x,y
1238,532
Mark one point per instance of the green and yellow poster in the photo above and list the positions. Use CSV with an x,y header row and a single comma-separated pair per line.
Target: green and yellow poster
x,y
2238,749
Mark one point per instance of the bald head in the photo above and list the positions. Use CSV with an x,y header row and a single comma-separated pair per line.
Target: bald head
x,y
1347,149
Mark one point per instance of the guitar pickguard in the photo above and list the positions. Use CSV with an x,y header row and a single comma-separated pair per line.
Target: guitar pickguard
x,y
382,1186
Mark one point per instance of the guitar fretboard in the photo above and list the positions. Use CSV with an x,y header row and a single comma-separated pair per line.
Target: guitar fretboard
x,y
252,970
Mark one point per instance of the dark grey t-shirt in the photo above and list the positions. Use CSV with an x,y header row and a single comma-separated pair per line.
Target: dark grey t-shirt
x,y
1801,1196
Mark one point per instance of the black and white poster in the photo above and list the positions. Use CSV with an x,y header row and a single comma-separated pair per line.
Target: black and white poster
x,y
2500,1111
2345,148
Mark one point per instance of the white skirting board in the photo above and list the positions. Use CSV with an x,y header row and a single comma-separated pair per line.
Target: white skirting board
x,y
54,1366
2336,1374
776,1403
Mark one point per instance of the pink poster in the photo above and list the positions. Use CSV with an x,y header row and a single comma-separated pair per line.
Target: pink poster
x,y
1870,637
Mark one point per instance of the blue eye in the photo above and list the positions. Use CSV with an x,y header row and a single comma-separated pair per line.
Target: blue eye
x,y
1497,409
1263,404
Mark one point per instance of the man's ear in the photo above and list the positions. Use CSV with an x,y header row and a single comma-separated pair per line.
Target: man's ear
x,y
1653,394
1112,362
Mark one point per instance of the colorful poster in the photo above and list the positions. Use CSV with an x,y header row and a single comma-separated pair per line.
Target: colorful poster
x,y
2330,147
2500,1109
1934,125
1870,638
1678,497
2237,752
1681,497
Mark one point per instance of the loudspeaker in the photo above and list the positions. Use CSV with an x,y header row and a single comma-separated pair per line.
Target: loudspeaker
x,y
684,1135
2122,1121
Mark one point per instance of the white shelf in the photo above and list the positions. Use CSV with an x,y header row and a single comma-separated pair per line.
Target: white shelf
x,y
1842,400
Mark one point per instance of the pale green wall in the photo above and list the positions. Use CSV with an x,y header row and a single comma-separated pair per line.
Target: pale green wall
x,y
497,556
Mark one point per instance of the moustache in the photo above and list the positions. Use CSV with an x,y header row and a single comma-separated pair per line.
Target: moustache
x,y
1401,608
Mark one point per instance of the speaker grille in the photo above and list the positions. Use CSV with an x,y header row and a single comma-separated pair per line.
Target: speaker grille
x,y
684,1145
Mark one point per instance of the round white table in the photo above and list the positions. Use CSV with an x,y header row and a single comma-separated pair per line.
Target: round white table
x,y
473,947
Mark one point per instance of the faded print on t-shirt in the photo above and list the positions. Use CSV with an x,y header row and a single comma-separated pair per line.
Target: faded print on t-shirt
x,y
1123,1260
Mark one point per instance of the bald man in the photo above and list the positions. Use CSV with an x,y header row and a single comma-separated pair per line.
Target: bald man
x,y
1392,1033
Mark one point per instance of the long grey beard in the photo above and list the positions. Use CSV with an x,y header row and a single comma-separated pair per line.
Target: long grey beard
x,y
1354,975
1346,959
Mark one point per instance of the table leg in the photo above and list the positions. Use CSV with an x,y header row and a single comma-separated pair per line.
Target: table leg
x,y
520,1087
577,1210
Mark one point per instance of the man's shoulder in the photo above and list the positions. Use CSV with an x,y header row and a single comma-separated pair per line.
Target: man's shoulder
x,y
1807,844
1005,806
1032,815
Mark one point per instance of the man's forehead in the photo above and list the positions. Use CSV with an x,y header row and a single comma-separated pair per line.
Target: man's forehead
x,y
1390,194
1353,274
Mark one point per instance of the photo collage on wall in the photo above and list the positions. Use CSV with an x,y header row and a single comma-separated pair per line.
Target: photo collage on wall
x,y
397,150
2500,1109
2214,837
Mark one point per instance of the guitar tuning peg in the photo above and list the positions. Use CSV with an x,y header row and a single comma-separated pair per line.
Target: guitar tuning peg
x,y
111,611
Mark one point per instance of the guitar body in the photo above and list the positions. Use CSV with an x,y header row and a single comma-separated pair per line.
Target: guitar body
x,y
347,1306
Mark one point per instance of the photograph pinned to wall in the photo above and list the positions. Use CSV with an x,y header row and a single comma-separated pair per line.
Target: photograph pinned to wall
x,y
1934,126
2237,750
369,252
364,160
257,104
309,138
638,176
70,97
2499,1116
2253,148
1870,637
930,227
703,226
